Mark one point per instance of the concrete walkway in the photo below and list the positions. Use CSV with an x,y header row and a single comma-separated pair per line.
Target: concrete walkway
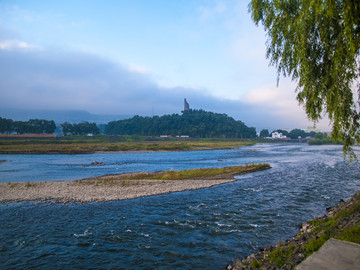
x,y
334,254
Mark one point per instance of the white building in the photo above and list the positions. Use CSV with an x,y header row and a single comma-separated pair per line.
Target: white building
x,y
277,135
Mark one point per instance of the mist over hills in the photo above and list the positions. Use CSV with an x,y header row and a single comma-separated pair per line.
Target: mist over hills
x,y
60,116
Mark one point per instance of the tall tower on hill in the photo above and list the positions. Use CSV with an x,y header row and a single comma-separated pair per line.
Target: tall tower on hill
x,y
186,105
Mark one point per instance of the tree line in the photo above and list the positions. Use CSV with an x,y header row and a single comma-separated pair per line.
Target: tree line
x,y
83,128
294,134
194,123
39,126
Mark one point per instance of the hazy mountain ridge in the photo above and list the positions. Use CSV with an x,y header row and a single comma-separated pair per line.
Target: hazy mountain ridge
x,y
60,116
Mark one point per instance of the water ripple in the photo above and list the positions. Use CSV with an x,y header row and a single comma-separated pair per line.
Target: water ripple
x,y
201,229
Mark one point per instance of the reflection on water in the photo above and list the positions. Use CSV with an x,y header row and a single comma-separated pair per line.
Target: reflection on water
x,y
201,229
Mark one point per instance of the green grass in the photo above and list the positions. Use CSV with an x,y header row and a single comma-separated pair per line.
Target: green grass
x,y
315,244
344,224
80,145
351,234
255,264
281,255
128,179
324,141
330,228
196,173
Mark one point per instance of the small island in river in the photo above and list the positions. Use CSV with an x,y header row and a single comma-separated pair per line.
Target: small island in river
x,y
122,186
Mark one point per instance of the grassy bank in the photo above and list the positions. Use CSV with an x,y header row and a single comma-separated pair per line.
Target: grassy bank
x,y
195,174
82,145
325,141
341,222
203,173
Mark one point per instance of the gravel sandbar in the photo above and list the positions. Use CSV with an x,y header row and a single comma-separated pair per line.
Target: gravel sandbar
x,y
75,191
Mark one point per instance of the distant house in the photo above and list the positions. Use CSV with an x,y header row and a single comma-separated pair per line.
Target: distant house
x,y
277,135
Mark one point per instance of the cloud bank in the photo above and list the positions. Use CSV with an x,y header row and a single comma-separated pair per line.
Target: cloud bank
x,y
33,78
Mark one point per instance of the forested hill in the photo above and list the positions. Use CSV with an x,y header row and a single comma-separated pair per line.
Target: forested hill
x,y
194,123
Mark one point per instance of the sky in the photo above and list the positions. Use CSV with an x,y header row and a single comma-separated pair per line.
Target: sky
x,y
142,57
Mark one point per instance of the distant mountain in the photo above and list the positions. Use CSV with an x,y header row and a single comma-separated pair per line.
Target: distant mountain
x,y
59,116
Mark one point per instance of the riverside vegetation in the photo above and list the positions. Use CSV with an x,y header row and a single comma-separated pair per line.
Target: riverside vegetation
x,y
84,145
341,222
192,123
125,143
193,174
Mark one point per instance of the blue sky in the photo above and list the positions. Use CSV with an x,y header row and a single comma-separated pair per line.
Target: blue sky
x,y
142,57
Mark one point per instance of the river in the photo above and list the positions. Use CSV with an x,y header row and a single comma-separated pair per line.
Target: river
x,y
201,229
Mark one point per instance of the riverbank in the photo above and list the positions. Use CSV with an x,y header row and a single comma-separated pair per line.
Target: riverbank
x,y
111,144
121,186
341,222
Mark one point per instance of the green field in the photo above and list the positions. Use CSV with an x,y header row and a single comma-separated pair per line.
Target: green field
x,y
84,145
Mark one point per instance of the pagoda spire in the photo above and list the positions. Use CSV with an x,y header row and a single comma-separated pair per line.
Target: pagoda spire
x,y
186,105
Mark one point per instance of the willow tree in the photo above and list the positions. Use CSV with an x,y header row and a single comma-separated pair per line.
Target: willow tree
x,y
317,44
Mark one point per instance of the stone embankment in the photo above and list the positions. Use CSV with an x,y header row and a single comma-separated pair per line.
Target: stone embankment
x,y
341,222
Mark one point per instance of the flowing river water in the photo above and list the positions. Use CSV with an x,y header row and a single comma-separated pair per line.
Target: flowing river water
x,y
201,229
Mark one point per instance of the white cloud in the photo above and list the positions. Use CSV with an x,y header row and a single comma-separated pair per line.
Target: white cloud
x,y
208,12
22,14
249,47
17,45
44,80
280,100
139,69
281,103
261,95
